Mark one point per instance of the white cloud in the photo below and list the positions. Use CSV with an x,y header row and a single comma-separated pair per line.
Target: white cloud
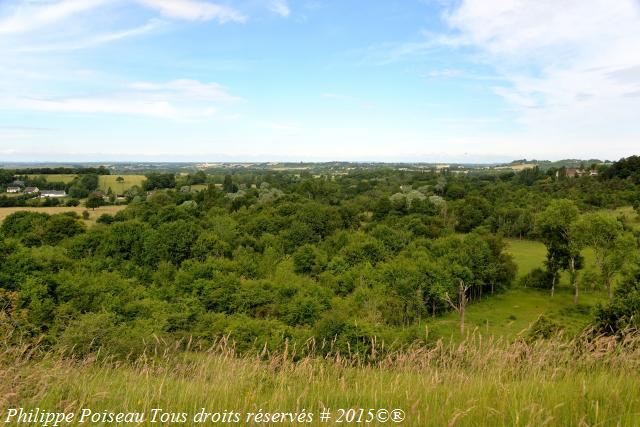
x,y
89,41
280,7
572,66
187,89
28,16
124,106
178,99
194,10
32,16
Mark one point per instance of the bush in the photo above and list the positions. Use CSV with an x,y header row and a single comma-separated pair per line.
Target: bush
x,y
543,328
102,333
623,312
537,278
105,219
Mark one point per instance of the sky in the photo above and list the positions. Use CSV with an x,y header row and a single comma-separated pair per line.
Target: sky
x,y
302,80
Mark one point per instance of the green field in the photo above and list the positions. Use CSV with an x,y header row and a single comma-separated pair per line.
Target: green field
x,y
510,313
527,254
66,178
107,181
104,182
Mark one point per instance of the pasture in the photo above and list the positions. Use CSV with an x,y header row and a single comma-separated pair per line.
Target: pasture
x,y
66,178
107,181
510,313
104,182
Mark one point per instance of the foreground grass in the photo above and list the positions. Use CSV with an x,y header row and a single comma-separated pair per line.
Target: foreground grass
x,y
475,383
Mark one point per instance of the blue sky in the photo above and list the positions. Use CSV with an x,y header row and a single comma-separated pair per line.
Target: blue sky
x,y
404,80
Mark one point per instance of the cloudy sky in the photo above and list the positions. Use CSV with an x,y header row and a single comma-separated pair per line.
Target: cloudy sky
x,y
414,80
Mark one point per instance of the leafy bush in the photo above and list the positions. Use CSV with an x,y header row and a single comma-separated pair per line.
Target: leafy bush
x,y
537,278
543,327
623,312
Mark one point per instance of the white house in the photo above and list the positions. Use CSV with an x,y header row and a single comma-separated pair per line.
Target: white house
x,y
13,189
52,194
31,190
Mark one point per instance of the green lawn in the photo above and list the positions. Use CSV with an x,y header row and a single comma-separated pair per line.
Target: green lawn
x,y
527,254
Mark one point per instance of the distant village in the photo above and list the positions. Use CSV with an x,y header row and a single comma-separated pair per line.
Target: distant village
x,y
19,187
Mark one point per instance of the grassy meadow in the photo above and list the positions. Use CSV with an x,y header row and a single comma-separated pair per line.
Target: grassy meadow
x,y
107,181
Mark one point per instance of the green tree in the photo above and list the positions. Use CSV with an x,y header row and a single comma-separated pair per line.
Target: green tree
x,y
613,248
623,311
120,180
553,225
228,186
94,201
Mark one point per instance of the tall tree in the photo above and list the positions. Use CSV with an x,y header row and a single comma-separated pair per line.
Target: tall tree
x,y
612,247
553,225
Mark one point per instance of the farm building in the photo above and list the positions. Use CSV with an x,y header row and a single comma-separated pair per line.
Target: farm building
x,y
52,193
13,189
31,190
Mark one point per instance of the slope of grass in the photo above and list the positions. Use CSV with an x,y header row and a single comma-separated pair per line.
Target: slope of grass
x,y
527,254
475,383
510,313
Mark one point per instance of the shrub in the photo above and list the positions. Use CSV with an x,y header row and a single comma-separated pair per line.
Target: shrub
x,y
105,219
543,327
537,278
623,312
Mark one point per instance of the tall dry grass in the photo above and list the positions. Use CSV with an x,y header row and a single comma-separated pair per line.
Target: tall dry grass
x,y
586,381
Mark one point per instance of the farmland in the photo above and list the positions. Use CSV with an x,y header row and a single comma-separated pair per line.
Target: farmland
x,y
110,181
104,183
93,213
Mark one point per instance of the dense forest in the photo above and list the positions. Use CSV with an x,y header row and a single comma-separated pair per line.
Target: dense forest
x,y
325,264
